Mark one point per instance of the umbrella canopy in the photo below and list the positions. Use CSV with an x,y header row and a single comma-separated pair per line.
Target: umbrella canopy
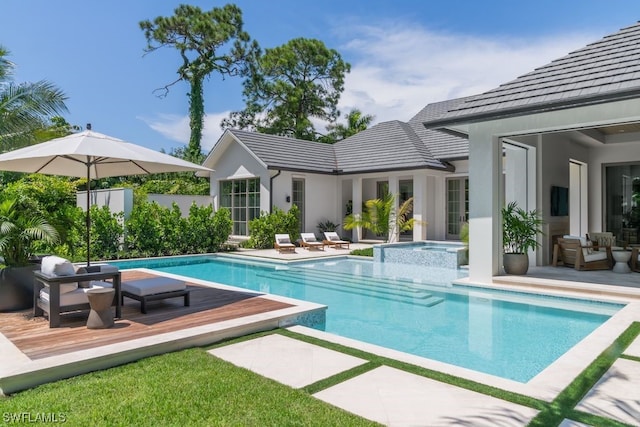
x,y
92,155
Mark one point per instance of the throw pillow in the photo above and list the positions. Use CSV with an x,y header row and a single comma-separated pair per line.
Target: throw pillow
x,y
56,266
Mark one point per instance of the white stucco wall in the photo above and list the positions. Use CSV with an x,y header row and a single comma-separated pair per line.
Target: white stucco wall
x,y
118,199
321,197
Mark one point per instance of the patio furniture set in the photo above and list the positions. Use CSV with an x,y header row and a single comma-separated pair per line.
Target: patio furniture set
x,y
61,287
600,252
309,241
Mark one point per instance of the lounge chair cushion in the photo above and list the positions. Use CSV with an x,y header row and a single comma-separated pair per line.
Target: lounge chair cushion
x,y
595,256
153,286
283,240
75,296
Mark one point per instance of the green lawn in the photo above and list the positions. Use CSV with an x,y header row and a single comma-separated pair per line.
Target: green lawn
x,y
188,387
191,387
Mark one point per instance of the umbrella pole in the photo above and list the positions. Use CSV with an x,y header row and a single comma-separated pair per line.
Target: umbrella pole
x,y
88,217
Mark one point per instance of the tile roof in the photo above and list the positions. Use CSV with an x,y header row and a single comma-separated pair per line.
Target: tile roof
x,y
391,145
385,146
442,145
606,70
280,152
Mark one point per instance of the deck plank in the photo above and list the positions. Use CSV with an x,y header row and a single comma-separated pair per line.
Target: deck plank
x,y
208,305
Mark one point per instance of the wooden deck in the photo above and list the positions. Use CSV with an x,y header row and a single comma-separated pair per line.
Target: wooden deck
x,y
208,305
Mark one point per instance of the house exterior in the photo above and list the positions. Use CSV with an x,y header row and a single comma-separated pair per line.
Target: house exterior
x,y
255,172
563,139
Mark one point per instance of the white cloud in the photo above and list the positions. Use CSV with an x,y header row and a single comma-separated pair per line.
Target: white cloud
x,y
398,69
176,127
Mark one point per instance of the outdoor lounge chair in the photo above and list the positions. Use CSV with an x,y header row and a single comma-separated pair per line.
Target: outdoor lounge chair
x,y
331,238
574,252
283,243
309,241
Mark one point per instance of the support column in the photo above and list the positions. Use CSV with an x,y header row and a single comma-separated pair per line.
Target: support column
x,y
485,232
420,207
394,188
356,194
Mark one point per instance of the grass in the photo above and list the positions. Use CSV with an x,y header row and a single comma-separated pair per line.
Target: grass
x,y
362,252
189,387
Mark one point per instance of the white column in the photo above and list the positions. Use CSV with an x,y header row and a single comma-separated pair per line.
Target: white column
x,y
356,194
394,188
420,207
485,233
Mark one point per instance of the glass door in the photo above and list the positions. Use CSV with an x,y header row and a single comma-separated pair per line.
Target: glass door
x,y
457,206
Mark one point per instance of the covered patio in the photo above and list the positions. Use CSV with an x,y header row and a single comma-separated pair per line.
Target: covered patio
x,y
571,124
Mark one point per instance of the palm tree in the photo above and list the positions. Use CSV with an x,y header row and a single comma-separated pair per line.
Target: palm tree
x,y
382,218
19,231
24,107
356,122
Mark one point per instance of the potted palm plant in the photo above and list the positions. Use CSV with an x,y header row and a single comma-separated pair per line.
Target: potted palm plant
x,y
20,230
520,229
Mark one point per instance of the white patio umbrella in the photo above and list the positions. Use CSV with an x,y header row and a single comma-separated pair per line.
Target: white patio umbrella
x,y
92,155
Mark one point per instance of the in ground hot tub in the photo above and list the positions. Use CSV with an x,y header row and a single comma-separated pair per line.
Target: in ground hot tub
x,y
428,253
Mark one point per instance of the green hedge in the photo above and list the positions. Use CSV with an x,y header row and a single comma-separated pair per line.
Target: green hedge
x,y
264,228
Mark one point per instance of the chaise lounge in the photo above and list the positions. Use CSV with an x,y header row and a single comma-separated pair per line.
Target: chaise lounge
x,y
331,238
283,243
309,241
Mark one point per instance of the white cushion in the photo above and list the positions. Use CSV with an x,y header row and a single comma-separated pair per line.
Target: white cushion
x,y
106,268
57,266
75,296
152,286
595,256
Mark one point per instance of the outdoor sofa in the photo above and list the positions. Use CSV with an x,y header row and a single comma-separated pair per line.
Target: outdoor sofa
x,y
61,287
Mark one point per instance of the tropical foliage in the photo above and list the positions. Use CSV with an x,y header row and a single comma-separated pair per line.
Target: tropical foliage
x,y
24,107
520,229
264,228
207,42
19,232
356,122
289,86
153,230
381,217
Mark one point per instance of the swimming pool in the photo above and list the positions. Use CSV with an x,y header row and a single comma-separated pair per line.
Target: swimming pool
x,y
508,334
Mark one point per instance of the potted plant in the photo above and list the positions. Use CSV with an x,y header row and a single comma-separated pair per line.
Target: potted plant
x,y
20,229
520,229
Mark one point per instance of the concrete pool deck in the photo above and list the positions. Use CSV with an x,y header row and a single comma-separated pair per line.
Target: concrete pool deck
x,y
393,397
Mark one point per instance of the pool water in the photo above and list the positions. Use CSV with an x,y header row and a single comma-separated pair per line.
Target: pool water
x,y
511,335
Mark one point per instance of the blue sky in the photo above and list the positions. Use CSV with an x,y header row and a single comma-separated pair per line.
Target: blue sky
x,y
404,54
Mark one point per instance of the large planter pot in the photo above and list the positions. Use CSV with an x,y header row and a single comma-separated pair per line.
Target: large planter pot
x,y
16,288
516,263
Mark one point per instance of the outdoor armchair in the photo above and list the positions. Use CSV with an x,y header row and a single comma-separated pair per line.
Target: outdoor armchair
x,y
575,252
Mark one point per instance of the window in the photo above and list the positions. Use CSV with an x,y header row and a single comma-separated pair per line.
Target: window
x,y
242,198
622,212
297,189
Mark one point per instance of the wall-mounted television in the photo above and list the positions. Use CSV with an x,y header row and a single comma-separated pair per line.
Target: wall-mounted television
x,y
559,201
